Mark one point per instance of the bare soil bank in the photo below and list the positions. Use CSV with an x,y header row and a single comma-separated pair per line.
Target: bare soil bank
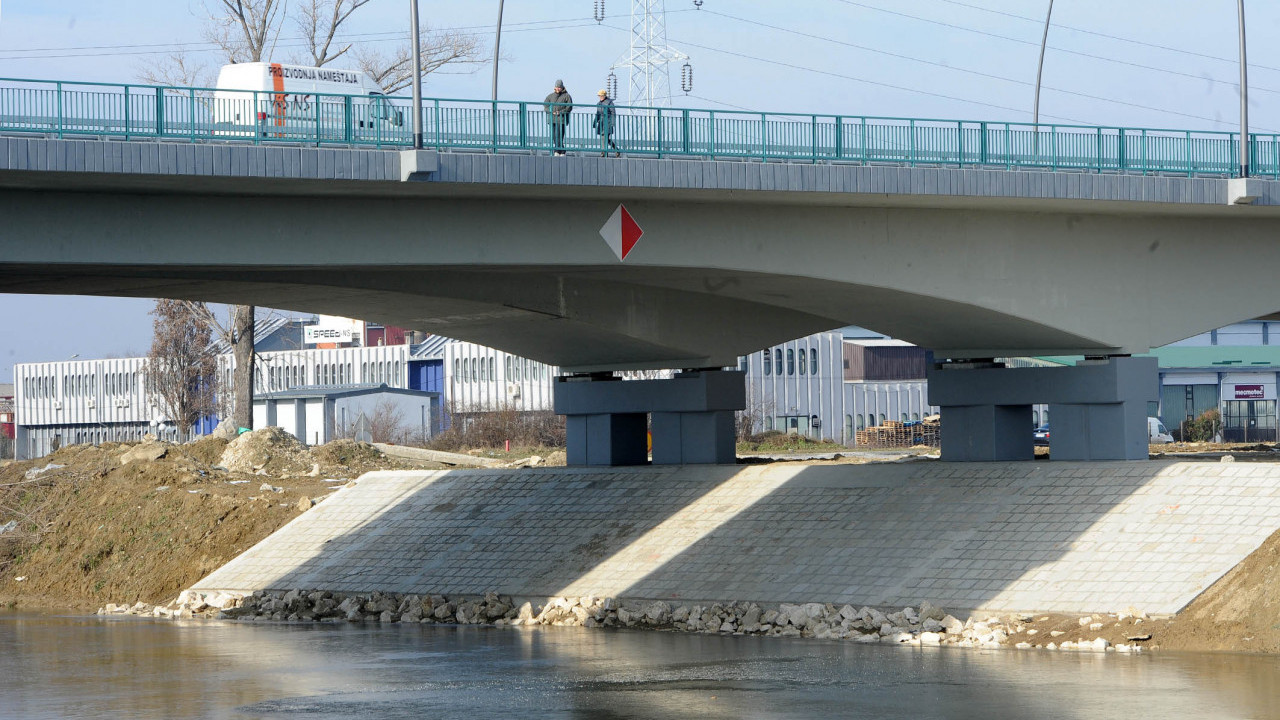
x,y
102,529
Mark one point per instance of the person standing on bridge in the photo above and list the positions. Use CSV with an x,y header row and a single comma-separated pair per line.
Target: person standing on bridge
x,y
558,105
604,124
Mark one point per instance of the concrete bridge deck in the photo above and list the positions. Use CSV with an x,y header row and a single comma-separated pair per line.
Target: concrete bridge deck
x,y
1064,537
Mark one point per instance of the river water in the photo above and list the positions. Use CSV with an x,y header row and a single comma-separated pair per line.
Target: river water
x,y
90,667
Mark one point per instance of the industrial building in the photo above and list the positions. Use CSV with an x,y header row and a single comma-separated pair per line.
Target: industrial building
x,y
317,415
830,385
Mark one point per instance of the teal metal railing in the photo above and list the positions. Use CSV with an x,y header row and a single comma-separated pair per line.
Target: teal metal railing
x,y
76,109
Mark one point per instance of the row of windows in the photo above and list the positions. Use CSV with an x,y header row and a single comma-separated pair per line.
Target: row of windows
x,y
291,376
116,383
773,361
485,369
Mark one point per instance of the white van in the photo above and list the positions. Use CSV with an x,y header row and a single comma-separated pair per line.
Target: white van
x,y
1157,432
303,103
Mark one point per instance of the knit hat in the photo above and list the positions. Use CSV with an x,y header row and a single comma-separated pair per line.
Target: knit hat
x,y
559,83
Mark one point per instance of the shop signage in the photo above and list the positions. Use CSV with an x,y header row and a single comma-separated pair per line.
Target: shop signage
x,y
1249,392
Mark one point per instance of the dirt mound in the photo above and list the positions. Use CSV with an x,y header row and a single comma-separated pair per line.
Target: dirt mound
x,y
1239,612
270,451
349,458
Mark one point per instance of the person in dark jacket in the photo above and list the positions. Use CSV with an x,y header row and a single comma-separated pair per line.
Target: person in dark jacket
x,y
604,124
558,105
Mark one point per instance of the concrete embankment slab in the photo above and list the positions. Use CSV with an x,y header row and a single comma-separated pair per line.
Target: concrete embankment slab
x,y
1049,537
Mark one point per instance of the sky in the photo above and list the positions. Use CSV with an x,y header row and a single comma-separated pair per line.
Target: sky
x,y
1143,63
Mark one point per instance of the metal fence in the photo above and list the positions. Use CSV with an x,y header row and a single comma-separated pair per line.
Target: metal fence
x,y
73,109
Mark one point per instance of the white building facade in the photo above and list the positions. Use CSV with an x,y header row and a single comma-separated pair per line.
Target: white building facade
x,y
481,379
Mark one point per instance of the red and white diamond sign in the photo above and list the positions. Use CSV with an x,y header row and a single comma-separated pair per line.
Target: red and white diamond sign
x,y
621,232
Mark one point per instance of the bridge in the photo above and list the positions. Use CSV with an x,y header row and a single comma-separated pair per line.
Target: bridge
x,y
978,240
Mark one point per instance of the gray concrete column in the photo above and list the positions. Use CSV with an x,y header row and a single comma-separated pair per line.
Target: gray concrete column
x,y
607,439
693,438
990,433
693,418
1097,409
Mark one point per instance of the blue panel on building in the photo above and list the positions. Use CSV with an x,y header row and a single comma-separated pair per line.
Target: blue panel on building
x,y
427,375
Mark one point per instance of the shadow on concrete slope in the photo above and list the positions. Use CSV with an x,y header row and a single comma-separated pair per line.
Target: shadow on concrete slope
x,y
1027,536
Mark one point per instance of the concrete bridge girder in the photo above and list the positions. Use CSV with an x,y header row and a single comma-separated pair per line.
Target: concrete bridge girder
x,y
707,282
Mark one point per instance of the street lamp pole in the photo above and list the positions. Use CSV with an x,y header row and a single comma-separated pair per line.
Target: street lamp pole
x,y
1244,97
1044,39
497,46
417,77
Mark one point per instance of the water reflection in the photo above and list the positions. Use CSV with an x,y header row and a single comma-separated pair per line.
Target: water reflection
x,y
56,667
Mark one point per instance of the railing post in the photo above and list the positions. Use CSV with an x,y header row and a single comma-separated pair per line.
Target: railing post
x,y
863,139
711,132
126,112
259,124
1189,173
318,122
912,142
348,124
813,132
839,137
436,104
159,112
764,139
1008,147
60,120
684,129
1144,151
960,140
191,110
524,125
1120,150
494,125
982,142
1099,149
1053,140
659,119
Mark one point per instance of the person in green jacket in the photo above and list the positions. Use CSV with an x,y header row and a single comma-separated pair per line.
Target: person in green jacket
x,y
558,105
605,123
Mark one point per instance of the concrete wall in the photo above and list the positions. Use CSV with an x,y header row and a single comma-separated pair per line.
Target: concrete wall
x,y
1068,537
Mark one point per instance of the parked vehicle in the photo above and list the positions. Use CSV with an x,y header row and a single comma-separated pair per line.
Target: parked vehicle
x,y
287,101
1157,433
1041,434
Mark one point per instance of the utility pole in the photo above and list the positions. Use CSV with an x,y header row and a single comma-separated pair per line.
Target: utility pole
x,y
1244,96
417,77
497,46
1044,40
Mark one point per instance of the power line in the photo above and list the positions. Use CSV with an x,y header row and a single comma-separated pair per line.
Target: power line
x,y
294,43
1143,43
1036,44
851,78
949,67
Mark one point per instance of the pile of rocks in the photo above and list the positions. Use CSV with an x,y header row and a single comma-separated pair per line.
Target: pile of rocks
x,y
188,604
926,624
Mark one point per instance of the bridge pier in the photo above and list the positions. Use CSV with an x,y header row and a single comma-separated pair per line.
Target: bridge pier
x,y
1098,409
692,413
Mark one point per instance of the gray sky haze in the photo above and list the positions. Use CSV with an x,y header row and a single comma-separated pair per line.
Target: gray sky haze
x,y
1144,63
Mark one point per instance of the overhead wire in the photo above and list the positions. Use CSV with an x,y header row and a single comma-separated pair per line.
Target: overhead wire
x,y
1055,48
1138,105
1120,38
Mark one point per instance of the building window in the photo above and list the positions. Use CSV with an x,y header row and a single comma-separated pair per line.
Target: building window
x,y
507,368
813,362
803,364
862,425
881,419
744,364
768,362
777,361
493,367
915,417
791,361
768,423
848,426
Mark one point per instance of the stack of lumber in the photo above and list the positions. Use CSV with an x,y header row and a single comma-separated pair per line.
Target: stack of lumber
x,y
899,434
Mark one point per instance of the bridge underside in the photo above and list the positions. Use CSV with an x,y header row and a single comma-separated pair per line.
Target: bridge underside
x,y
708,281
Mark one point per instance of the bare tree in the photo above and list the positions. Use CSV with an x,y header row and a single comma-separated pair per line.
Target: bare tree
x,y
394,71
319,20
244,30
181,371
177,69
